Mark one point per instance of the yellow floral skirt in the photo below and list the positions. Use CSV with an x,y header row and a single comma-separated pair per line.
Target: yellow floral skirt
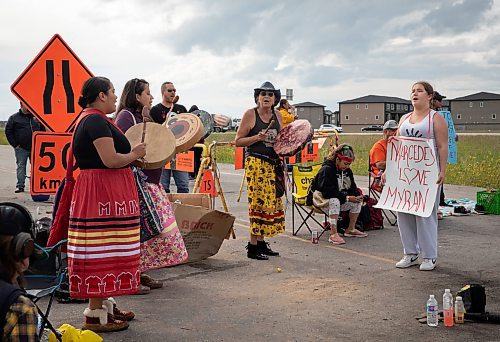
x,y
265,210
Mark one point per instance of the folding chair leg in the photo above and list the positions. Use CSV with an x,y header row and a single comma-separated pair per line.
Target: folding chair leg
x,y
326,227
308,215
46,323
394,217
376,196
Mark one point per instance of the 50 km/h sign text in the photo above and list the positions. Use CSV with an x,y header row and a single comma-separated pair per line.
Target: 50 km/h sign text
x,y
49,161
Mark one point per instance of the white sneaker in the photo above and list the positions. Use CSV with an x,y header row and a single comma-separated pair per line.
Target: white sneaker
x,y
428,265
407,261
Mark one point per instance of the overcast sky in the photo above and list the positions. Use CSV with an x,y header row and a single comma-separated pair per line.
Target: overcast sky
x,y
216,52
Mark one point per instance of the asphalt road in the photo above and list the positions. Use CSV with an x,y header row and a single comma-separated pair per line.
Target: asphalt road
x,y
323,293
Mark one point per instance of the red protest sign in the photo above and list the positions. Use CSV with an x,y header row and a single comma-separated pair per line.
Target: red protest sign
x,y
51,84
238,158
49,161
208,184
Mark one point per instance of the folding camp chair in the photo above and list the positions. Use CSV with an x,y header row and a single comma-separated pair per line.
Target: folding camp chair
x,y
302,177
43,279
46,272
374,190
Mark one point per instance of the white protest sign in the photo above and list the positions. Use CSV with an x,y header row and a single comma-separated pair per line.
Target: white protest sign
x,y
411,176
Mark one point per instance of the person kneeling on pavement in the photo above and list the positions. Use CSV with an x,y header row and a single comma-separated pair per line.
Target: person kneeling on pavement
x,y
333,188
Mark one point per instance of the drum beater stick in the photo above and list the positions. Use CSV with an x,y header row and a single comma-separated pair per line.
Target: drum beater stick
x,y
174,101
269,126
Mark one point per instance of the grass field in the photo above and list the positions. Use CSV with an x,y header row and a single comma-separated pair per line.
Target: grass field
x,y
478,157
3,139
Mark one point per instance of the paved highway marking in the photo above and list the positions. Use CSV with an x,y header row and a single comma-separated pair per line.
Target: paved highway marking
x,y
341,249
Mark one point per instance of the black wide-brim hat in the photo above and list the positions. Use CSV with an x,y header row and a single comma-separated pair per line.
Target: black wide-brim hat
x,y
267,86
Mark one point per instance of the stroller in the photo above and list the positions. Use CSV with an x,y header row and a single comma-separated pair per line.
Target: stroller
x,y
46,271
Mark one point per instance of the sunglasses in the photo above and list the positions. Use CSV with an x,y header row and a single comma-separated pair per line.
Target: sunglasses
x,y
266,93
172,90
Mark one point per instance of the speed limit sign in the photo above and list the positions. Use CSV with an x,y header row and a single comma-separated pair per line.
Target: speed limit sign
x,y
49,161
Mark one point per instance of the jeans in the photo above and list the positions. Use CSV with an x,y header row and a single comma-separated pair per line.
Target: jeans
x,y
181,179
22,157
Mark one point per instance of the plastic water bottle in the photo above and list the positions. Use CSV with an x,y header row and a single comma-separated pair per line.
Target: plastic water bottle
x,y
448,308
459,310
432,312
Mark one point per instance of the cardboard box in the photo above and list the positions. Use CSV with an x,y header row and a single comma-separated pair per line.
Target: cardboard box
x,y
197,200
202,228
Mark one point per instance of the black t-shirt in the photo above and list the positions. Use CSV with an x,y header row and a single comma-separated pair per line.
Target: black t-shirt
x,y
159,112
91,128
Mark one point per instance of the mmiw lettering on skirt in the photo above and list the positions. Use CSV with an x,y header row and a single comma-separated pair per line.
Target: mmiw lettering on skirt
x,y
114,208
121,208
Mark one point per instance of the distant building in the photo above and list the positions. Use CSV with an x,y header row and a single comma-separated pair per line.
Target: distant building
x,y
478,111
371,110
313,112
329,117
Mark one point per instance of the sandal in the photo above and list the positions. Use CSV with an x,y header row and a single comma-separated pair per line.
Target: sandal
x,y
336,239
355,233
150,282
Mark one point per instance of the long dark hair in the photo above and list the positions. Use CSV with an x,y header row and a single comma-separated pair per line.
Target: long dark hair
x,y
283,102
8,264
92,88
128,99
345,150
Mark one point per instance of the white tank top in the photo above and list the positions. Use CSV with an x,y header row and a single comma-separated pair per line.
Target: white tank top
x,y
423,129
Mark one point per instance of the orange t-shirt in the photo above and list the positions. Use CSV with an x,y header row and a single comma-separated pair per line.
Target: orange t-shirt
x,y
378,153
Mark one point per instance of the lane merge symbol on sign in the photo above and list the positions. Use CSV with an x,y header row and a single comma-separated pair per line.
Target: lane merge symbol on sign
x,y
50,85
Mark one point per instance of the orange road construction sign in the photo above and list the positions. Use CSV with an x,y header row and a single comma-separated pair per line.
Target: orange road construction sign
x,y
51,84
49,156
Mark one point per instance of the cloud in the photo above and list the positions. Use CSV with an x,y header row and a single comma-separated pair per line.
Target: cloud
x,y
217,52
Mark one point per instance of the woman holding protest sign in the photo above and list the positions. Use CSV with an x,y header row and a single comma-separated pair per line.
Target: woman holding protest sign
x,y
161,242
419,234
258,130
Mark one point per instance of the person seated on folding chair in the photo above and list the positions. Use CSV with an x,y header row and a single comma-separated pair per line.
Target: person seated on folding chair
x,y
18,314
334,188
378,154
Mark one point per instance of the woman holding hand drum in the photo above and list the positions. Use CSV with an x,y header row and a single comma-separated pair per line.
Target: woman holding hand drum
x,y
161,242
103,235
258,130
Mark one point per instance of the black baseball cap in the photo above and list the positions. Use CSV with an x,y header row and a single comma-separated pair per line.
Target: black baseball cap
x,y
438,96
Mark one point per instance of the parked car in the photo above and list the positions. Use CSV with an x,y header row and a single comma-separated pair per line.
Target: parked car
x,y
372,128
330,127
